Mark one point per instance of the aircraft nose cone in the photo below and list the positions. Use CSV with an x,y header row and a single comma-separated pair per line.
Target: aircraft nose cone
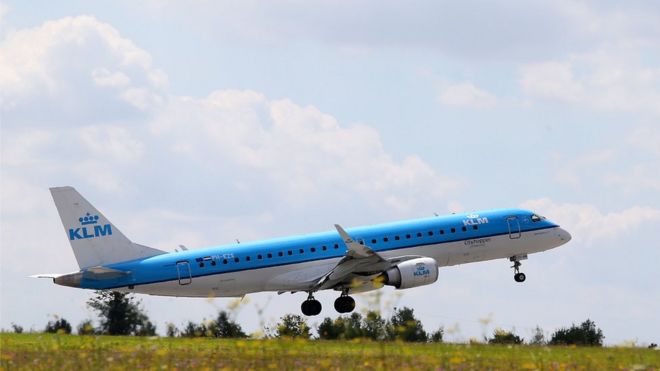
x,y
564,236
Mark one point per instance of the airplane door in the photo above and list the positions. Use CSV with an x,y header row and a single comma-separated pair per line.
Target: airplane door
x,y
514,227
183,272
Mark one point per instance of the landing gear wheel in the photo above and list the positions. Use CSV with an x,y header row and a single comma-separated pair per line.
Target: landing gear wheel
x,y
311,306
519,277
344,304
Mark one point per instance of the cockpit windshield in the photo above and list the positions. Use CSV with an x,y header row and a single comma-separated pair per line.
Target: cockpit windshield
x,y
537,218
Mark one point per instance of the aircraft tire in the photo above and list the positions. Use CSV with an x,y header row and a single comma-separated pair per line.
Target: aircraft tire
x,y
519,277
311,307
344,304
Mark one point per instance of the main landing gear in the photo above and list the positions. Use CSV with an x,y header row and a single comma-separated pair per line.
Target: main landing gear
x,y
344,303
518,276
311,306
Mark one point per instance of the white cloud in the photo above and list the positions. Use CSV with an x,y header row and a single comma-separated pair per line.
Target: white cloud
x,y
572,170
289,155
466,95
611,78
301,151
640,177
589,225
103,77
111,142
552,80
68,59
23,146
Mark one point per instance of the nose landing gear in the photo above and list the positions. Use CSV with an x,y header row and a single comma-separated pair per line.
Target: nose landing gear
x,y
311,306
518,275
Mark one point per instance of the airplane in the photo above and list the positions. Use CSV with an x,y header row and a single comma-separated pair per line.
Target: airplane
x,y
403,254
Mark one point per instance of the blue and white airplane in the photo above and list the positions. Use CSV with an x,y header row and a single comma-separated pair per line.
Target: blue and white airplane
x,y
403,254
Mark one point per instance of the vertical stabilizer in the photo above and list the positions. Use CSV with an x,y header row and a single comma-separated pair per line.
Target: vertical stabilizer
x,y
94,239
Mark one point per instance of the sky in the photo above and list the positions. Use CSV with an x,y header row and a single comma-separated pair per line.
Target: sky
x,y
198,123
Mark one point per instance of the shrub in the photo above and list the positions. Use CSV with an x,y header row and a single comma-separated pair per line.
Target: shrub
x,y
436,336
404,326
294,326
585,334
86,328
58,326
504,337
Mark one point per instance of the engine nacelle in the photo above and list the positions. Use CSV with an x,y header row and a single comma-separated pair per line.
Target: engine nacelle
x,y
412,273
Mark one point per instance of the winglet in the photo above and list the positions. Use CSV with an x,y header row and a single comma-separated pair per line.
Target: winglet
x,y
344,236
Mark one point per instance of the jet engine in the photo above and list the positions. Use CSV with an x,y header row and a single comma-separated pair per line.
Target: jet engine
x,y
412,273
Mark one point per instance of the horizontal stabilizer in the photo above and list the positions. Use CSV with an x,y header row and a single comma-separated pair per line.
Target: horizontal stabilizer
x,y
46,275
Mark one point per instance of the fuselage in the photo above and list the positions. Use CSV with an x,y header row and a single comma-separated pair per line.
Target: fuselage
x,y
293,263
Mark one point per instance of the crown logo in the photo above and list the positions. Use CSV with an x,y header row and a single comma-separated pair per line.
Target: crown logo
x,y
88,219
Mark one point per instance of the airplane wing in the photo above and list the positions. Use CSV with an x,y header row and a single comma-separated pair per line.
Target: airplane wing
x,y
359,267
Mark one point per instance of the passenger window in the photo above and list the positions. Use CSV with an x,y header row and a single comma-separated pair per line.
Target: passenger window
x,y
373,240
270,255
213,263
302,251
430,233
408,236
324,248
237,260
464,228
259,257
396,238
313,249
201,265
224,261
475,227
336,246
419,234
290,252
453,230
280,253
385,239
442,231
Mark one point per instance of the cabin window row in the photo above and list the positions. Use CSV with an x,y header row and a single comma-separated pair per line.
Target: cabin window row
x,y
420,234
267,255
336,246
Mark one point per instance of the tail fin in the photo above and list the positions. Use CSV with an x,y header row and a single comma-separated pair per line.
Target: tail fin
x,y
94,240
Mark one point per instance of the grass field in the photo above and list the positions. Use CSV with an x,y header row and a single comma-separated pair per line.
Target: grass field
x,y
48,352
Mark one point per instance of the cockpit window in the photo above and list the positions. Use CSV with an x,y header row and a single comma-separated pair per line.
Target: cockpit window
x,y
536,218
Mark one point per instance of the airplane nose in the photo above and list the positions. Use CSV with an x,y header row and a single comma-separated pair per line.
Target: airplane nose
x,y
564,236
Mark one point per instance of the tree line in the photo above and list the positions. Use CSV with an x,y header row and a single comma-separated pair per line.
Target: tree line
x,y
121,314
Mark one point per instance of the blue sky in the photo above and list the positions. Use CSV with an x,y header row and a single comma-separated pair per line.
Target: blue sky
x,y
197,123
